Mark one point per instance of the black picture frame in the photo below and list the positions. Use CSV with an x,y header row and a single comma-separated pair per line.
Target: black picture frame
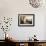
x,y
26,19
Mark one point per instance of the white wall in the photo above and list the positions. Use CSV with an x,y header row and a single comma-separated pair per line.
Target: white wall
x,y
11,8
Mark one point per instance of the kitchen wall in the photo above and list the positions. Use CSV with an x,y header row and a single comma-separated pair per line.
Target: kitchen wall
x,y
11,8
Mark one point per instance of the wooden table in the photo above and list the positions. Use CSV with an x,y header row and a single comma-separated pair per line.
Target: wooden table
x,y
28,43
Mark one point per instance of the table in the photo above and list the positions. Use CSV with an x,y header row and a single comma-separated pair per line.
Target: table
x,y
27,43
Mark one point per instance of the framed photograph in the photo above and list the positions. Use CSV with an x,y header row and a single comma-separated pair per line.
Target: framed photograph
x,y
26,19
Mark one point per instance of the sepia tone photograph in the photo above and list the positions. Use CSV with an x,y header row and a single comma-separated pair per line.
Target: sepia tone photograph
x,y
26,20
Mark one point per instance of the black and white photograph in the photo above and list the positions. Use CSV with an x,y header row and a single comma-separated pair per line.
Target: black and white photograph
x,y
26,19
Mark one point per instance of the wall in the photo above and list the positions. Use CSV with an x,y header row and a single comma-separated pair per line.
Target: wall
x,y
11,8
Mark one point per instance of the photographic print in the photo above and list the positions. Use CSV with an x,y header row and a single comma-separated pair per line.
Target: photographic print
x,y
26,19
